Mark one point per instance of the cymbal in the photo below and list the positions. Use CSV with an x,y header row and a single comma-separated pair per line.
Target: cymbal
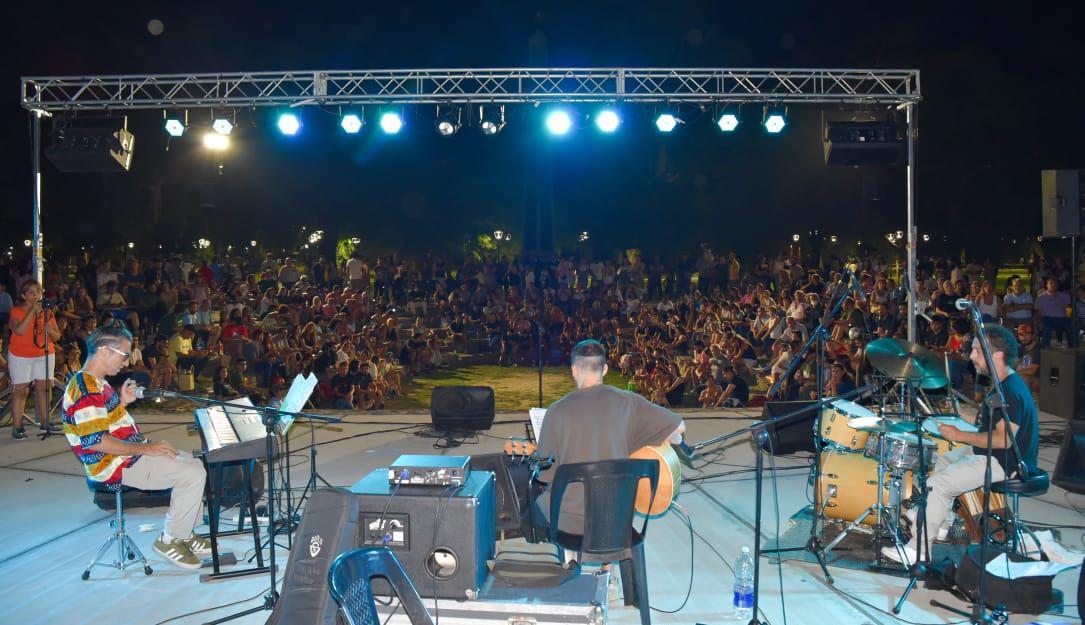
x,y
902,360
879,425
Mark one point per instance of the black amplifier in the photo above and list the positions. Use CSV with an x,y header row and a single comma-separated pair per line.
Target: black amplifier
x,y
417,470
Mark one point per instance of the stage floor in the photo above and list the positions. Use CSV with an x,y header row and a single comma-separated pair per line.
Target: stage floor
x,y
53,529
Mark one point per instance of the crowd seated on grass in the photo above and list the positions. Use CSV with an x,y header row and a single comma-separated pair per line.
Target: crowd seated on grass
x,y
703,330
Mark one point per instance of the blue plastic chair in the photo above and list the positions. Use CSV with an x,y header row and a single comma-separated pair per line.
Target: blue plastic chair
x,y
349,583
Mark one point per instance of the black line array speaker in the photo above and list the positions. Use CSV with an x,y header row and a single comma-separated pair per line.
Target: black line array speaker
x,y
462,408
1062,201
1062,383
328,528
442,536
95,145
794,434
851,143
1070,467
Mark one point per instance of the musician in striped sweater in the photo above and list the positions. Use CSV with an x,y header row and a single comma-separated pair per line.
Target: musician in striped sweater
x,y
108,442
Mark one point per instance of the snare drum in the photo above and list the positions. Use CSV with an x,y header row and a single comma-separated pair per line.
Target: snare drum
x,y
943,446
848,485
900,451
834,424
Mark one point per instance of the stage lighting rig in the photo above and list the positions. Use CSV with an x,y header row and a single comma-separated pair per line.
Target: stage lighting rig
x,y
775,119
607,120
448,122
176,126
667,122
216,142
222,126
558,122
289,124
351,123
391,123
727,120
491,122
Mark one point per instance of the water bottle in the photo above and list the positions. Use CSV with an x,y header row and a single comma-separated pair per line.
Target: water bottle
x,y
743,600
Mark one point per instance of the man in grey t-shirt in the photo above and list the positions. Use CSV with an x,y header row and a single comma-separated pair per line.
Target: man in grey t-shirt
x,y
596,422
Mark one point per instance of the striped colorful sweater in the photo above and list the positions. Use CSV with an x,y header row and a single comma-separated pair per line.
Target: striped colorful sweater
x,y
91,410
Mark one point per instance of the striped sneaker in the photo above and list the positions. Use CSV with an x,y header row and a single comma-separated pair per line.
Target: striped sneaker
x,y
177,552
198,545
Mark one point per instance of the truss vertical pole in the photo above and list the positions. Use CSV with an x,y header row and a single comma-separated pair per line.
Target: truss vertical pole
x,y
35,165
910,113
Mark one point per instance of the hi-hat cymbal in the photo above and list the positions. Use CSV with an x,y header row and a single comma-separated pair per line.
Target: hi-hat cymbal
x,y
877,424
908,362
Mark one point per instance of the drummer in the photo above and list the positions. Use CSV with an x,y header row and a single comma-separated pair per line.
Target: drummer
x,y
962,470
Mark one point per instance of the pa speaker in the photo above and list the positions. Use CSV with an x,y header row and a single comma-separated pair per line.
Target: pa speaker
x,y
1062,383
101,145
794,434
861,143
443,537
1070,467
1062,201
462,408
328,528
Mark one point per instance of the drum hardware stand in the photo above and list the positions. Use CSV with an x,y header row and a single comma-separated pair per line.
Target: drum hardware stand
x,y
818,337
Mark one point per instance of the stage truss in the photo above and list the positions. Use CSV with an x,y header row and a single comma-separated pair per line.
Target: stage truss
x,y
45,95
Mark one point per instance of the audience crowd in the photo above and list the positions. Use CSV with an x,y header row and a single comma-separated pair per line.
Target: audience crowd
x,y
701,330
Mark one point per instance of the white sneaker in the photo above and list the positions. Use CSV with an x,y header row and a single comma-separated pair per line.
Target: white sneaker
x,y
904,555
943,533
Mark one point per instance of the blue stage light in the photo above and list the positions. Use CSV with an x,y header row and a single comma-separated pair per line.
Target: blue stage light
x,y
175,127
351,123
607,120
666,122
289,124
391,123
728,122
558,122
775,120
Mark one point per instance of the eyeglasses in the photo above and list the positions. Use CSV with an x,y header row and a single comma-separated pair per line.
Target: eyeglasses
x,y
114,349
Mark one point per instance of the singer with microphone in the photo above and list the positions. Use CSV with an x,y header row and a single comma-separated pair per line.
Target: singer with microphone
x,y
113,452
31,358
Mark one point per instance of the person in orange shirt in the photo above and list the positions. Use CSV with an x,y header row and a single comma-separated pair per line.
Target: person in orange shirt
x,y
31,358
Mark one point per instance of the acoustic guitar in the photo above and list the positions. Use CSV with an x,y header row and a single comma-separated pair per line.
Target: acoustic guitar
x,y
670,475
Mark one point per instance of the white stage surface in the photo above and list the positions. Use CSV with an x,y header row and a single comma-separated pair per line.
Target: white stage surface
x,y
53,530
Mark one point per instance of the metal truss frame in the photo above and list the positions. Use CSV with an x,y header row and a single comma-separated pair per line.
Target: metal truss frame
x,y
451,86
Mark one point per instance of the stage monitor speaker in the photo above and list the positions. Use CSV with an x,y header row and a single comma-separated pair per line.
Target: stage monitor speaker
x,y
1062,383
96,145
1062,201
328,528
794,434
443,537
1070,467
462,408
850,143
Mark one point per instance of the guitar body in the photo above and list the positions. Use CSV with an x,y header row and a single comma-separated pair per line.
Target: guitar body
x,y
670,475
670,478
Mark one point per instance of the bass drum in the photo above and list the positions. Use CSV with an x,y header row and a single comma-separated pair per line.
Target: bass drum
x,y
848,485
670,479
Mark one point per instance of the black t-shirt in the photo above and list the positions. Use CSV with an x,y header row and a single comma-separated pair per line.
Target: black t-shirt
x,y
363,380
342,384
1022,413
742,390
596,423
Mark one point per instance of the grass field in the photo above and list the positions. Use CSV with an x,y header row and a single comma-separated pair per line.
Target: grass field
x,y
515,388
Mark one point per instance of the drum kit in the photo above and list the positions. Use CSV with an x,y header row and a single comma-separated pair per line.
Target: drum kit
x,y
874,463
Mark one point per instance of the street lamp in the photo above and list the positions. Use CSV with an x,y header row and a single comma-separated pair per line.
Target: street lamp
x,y
499,236
584,236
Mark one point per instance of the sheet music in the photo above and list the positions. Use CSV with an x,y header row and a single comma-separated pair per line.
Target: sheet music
x,y
536,415
296,398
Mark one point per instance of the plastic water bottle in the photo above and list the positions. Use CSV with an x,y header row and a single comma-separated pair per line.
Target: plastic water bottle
x,y
743,600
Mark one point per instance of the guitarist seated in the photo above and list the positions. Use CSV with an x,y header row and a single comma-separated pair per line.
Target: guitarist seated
x,y
595,422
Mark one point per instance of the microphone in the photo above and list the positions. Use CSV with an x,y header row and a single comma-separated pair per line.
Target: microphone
x,y
685,453
153,393
964,304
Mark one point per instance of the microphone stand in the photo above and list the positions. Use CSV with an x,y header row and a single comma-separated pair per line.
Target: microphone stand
x,y
270,418
760,437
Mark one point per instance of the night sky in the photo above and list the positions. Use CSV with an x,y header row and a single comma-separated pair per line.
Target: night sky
x,y
1002,95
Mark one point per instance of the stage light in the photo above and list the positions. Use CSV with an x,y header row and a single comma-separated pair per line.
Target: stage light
x,y
252,243
131,244
289,124
795,238
832,238
351,123
607,120
666,122
926,238
217,142
775,119
558,122
491,121
27,242
728,122
222,126
175,127
391,123
448,123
